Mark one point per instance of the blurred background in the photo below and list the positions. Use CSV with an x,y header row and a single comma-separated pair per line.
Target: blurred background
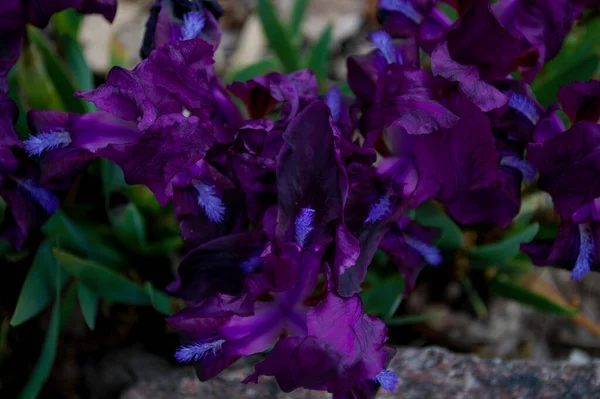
x,y
95,325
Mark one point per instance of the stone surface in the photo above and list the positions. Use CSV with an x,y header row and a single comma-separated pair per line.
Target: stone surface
x,y
425,373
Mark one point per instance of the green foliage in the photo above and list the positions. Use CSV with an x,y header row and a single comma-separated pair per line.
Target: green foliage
x,y
429,214
279,38
44,365
318,61
259,68
59,75
384,295
40,286
502,286
505,250
297,17
579,59
88,301
419,318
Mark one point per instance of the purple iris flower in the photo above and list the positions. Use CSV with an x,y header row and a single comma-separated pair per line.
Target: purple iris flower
x,y
15,14
28,201
569,173
443,164
403,97
173,20
420,19
181,109
542,27
410,247
365,70
477,51
263,93
65,143
340,349
207,204
581,100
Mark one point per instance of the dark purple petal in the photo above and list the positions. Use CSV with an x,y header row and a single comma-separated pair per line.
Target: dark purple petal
x,y
10,49
542,24
261,94
215,267
569,166
172,144
453,160
343,348
39,13
90,132
207,204
581,100
309,176
480,93
8,117
404,98
480,40
497,204
298,362
409,246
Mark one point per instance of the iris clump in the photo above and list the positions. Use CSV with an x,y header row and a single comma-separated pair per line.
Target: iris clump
x,y
283,203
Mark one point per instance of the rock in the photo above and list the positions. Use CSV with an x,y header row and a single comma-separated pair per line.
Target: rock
x,y
425,373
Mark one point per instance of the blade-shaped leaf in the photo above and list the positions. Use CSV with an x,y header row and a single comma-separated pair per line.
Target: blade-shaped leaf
x,y
160,301
319,57
78,65
297,17
429,214
278,37
384,296
577,60
506,249
88,301
503,287
82,240
419,318
67,22
57,72
103,281
42,369
39,288
259,68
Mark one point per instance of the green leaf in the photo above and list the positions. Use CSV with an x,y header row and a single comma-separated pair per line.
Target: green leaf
x,y
40,285
160,301
78,66
429,214
259,68
577,60
277,36
384,296
82,240
88,301
319,57
507,249
129,226
42,369
297,17
475,299
14,94
67,22
419,318
34,82
102,281
57,72
500,286
112,177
